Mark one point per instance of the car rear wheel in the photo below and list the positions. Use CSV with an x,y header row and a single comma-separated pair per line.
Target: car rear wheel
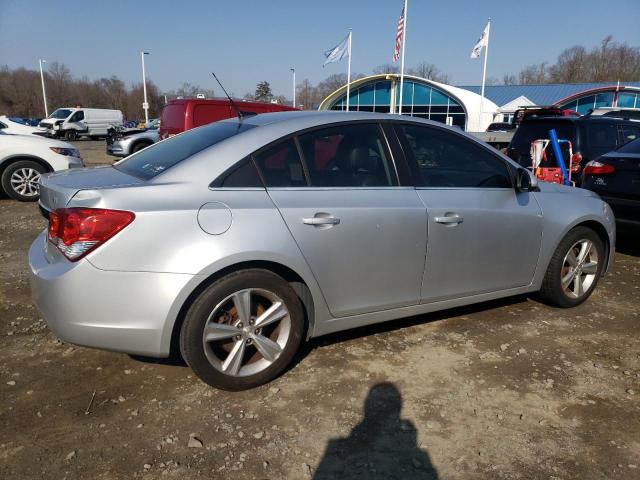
x,y
20,180
243,330
575,268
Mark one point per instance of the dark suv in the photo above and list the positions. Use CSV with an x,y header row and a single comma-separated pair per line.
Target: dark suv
x,y
590,137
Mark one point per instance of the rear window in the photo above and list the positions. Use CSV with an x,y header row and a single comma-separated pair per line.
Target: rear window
x,y
631,147
158,158
173,117
527,132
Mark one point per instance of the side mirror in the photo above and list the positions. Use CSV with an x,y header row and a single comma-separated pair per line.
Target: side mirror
x,y
526,181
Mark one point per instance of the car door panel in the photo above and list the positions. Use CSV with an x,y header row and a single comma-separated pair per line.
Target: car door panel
x,y
373,259
492,245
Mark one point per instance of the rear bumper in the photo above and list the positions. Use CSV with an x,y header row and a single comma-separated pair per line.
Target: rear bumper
x,y
112,310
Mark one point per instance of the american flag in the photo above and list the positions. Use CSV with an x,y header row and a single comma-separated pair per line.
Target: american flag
x,y
399,35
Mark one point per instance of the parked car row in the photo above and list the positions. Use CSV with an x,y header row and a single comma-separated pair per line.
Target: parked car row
x,y
24,158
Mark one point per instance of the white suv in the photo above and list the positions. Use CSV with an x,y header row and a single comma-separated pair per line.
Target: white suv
x,y
23,158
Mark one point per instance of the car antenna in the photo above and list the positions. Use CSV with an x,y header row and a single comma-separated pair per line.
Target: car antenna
x,y
233,104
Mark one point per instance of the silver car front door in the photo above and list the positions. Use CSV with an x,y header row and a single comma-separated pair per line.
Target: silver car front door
x,y
484,236
363,236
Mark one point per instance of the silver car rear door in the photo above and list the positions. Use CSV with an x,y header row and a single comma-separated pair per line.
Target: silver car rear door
x,y
363,236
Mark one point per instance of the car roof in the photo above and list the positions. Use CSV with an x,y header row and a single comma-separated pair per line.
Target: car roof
x,y
584,118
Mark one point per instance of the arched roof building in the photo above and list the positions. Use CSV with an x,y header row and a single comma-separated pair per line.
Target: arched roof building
x,y
421,98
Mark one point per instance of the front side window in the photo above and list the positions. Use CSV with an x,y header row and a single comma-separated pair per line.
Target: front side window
x,y
280,165
445,159
77,117
348,156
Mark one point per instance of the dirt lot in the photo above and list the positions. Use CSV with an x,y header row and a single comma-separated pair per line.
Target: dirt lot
x,y
510,389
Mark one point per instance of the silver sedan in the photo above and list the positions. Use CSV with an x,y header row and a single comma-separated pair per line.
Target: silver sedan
x,y
236,241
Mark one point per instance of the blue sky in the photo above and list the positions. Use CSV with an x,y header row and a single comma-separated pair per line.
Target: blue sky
x,y
246,41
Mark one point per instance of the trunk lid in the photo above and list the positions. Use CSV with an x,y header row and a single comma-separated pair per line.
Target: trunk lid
x,y
56,190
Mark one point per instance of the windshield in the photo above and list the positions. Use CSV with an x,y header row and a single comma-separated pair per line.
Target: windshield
x,y
60,113
527,132
156,159
19,120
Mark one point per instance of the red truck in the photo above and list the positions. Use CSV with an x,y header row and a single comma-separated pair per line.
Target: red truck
x,y
183,114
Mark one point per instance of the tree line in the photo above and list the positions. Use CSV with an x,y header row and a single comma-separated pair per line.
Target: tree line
x,y
21,94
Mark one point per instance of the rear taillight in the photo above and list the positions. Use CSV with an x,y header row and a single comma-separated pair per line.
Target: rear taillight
x,y
576,159
77,231
595,167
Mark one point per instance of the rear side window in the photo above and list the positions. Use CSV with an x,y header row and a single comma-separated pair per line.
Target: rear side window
x,y
448,160
280,165
161,156
348,156
173,117
631,147
243,175
628,133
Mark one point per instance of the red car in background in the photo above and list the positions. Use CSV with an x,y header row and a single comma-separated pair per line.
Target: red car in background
x,y
184,114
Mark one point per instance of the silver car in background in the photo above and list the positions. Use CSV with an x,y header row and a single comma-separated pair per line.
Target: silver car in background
x,y
237,240
123,146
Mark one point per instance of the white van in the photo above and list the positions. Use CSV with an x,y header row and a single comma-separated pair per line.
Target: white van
x,y
72,123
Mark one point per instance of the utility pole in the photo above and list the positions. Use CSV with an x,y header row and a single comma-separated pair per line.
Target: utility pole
x,y
293,70
44,93
145,104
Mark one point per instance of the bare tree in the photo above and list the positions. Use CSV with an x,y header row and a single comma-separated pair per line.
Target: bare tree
x,y
386,68
430,72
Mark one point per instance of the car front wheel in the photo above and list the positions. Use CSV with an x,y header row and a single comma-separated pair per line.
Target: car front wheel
x,y
20,180
575,268
243,330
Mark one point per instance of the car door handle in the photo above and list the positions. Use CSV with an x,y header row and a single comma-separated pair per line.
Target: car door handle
x,y
449,219
321,221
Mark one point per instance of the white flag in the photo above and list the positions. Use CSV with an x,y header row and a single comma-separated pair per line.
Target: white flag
x,y
483,41
338,52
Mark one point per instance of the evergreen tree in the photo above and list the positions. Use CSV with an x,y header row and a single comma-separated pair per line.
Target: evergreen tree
x,y
263,92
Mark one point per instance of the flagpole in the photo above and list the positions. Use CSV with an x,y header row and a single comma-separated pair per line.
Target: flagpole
x,y
484,72
349,71
404,40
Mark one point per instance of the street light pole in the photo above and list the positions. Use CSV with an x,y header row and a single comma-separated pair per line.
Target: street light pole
x,y
44,93
293,70
145,104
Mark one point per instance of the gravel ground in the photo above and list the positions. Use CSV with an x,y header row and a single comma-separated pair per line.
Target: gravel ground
x,y
511,389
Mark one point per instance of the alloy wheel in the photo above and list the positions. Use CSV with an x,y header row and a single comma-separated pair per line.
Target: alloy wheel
x,y
246,332
25,182
579,268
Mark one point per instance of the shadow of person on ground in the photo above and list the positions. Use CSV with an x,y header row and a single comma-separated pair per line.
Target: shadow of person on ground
x,y
382,446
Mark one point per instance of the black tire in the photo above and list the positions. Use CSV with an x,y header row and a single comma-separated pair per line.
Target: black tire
x,y
15,169
552,291
139,146
191,334
70,135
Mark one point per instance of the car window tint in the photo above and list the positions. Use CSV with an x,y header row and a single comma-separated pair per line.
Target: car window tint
x,y
448,160
243,175
163,155
631,147
602,135
628,133
348,156
280,165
